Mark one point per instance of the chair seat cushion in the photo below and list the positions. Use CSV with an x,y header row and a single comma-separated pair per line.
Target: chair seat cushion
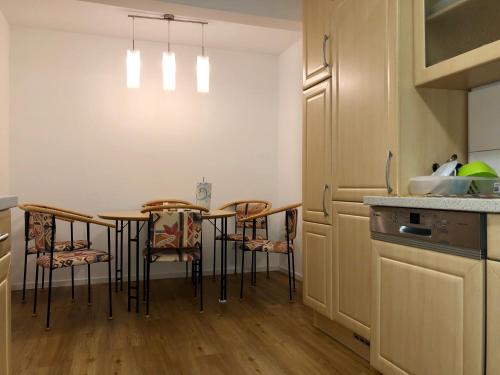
x,y
268,246
63,246
173,255
238,237
73,258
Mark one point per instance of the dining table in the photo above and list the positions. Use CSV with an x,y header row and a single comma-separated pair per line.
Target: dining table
x,y
129,218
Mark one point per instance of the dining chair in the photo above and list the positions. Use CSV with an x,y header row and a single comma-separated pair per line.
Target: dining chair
x,y
243,209
45,220
168,201
32,230
285,246
175,234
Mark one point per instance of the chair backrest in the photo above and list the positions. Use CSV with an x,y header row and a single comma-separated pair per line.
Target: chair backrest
x,y
41,228
292,217
248,208
175,229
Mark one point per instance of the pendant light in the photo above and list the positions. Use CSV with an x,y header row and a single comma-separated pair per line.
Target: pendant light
x,y
203,67
133,63
169,68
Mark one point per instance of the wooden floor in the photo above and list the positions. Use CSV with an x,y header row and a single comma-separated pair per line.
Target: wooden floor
x,y
264,334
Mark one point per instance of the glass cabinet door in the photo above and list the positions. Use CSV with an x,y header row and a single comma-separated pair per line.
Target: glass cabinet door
x,y
453,27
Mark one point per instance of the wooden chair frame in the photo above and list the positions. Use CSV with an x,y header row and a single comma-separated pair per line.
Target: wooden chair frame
x,y
197,270
288,241
55,213
254,232
23,206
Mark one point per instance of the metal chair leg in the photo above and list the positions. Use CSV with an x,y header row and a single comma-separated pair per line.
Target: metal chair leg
x,y
187,272
88,286
235,256
242,273
47,325
201,282
215,248
195,274
289,277
36,288
43,276
144,279
24,273
293,268
72,283
267,265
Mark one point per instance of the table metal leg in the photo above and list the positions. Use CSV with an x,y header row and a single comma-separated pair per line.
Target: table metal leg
x,y
223,262
129,296
121,255
137,260
116,255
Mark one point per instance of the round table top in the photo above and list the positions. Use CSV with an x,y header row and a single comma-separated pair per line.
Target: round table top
x,y
136,215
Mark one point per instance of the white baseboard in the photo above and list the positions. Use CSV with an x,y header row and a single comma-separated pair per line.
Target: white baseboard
x,y
298,276
154,276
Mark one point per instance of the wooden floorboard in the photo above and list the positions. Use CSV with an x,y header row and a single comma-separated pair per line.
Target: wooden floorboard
x,y
264,334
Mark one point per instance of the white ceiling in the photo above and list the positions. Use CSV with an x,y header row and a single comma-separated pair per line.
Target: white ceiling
x,y
245,32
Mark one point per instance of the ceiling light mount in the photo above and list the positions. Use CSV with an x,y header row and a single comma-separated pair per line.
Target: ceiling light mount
x,y
169,17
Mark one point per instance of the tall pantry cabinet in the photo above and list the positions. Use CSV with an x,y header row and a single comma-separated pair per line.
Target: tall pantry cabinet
x,y
366,131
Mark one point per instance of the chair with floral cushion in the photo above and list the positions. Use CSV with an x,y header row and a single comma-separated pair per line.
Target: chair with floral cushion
x,y
167,201
47,257
259,229
32,230
285,246
175,235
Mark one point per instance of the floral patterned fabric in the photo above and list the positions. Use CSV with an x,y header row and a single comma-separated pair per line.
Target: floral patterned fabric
x,y
244,210
73,258
176,230
268,246
173,255
292,216
62,246
239,237
40,229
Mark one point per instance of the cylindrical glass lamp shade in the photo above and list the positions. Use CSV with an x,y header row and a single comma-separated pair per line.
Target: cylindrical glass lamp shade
x,y
133,69
203,74
168,71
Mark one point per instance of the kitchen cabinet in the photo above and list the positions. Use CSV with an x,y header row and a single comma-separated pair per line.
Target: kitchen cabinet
x,y
352,267
5,265
493,318
317,267
384,130
457,43
427,312
316,37
316,154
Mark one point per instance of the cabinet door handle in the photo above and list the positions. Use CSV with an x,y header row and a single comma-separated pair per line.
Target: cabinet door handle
x,y
4,236
325,211
325,61
388,172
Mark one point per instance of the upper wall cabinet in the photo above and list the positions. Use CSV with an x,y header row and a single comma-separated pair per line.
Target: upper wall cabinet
x,y
457,43
317,49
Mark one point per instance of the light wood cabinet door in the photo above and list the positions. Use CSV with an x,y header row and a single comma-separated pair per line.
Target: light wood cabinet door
x,y
316,38
317,267
364,121
5,335
428,312
352,267
316,154
493,316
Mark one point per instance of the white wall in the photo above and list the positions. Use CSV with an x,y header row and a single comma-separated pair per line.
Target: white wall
x,y
81,140
484,125
4,105
290,138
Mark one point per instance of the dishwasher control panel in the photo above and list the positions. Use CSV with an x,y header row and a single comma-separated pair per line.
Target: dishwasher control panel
x,y
459,229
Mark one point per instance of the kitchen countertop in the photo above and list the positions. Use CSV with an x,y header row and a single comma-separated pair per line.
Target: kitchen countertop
x,y
7,201
490,205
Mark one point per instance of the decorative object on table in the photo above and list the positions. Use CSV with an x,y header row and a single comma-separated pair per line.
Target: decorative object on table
x,y
203,194
243,209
